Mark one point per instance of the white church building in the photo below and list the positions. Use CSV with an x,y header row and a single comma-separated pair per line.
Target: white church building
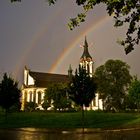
x,y
35,83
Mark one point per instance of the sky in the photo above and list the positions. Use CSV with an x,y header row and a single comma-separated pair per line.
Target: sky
x,y
36,35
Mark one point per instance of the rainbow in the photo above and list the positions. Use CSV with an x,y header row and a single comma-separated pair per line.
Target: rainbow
x,y
36,38
66,51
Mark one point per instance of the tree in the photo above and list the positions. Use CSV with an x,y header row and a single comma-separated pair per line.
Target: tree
x,y
9,93
30,106
123,11
134,93
56,96
82,89
113,80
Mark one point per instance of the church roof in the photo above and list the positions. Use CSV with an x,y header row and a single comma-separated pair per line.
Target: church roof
x,y
43,79
86,54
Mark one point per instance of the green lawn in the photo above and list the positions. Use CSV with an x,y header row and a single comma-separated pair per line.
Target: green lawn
x,y
70,120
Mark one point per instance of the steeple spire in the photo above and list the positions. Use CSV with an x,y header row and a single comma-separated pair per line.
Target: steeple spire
x,y
86,59
86,55
86,44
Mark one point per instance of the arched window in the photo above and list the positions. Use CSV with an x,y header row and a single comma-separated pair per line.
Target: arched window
x,y
39,97
30,96
88,69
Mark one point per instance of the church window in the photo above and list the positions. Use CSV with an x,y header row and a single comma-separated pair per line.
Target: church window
x,y
88,70
39,97
30,96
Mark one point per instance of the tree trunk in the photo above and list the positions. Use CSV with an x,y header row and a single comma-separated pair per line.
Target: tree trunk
x,y
83,119
6,114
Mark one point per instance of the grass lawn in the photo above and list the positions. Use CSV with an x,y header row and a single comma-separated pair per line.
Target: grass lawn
x,y
70,120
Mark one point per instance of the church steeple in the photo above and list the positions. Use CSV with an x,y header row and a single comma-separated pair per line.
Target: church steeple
x,y
70,71
86,59
85,56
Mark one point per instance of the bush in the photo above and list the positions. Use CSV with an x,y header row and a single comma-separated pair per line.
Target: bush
x,y
16,107
30,106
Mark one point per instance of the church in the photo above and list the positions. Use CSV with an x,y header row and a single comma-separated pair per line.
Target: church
x,y
35,83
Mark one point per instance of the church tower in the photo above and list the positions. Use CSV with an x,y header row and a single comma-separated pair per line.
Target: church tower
x,y
70,71
86,59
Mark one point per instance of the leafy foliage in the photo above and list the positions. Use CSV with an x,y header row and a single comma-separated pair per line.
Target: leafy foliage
x,y
113,80
51,2
16,107
56,96
123,11
82,88
9,93
30,106
46,104
15,0
134,93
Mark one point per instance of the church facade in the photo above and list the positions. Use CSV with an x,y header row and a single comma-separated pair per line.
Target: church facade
x,y
35,83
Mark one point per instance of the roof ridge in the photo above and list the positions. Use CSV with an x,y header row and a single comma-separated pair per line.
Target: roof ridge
x,y
45,73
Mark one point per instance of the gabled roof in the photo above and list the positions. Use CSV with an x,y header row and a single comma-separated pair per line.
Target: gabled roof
x,y
43,79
